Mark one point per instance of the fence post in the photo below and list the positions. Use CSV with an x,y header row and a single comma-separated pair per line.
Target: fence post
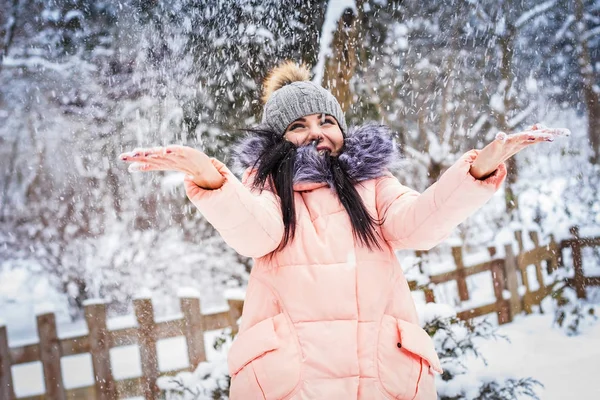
x,y
235,312
519,238
144,313
522,268
512,283
50,354
461,282
498,279
419,254
95,316
578,279
193,325
503,309
538,263
553,263
6,384
429,295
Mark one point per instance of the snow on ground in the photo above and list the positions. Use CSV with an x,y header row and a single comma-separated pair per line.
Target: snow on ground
x,y
567,366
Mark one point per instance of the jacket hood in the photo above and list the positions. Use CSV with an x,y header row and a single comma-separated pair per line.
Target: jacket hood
x,y
368,152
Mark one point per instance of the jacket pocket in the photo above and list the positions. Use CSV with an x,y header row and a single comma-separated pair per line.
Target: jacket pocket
x,y
406,359
264,361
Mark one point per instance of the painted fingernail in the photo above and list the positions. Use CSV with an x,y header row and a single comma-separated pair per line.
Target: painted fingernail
x,y
169,151
123,158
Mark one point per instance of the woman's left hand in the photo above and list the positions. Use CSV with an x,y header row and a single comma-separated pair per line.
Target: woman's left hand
x,y
505,146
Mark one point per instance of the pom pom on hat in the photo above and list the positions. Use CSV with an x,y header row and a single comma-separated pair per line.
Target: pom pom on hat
x,y
284,74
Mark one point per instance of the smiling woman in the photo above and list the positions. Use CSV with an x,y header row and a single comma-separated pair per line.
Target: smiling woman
x,y
328,312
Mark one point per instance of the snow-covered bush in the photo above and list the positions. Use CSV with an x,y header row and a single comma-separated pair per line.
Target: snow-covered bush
x,y
571,314
209,381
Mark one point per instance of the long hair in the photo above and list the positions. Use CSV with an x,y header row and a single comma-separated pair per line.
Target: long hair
x,y
275,166
363,223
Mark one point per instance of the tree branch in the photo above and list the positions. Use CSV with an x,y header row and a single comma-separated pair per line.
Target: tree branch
x,y
9,31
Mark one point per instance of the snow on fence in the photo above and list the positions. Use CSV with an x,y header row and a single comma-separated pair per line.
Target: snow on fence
x,y
514,292
99,340
514,289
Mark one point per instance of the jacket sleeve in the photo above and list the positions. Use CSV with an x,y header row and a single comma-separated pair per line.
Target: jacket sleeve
x,y
250,222
421,221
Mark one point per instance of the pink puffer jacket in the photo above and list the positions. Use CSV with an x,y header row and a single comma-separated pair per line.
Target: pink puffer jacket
x,y
325,318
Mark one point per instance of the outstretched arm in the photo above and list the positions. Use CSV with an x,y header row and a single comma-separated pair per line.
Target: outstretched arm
x,y
250,222
421,221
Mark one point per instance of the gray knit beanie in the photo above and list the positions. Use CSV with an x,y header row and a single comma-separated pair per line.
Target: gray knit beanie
x,y
289,96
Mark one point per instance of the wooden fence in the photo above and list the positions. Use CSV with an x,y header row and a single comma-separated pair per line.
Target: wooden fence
x,y
508,274
100,340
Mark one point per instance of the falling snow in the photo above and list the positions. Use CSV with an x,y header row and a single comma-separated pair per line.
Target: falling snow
x,y
84,80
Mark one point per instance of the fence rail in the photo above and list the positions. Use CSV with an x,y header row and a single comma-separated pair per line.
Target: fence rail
x,y
509,274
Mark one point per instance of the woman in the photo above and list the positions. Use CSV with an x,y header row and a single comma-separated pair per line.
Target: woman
x,y
328,313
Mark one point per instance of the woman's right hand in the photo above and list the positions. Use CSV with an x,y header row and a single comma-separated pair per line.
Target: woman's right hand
x,y
188,160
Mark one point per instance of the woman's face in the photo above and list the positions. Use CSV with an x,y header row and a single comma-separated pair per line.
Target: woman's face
x,y
320,127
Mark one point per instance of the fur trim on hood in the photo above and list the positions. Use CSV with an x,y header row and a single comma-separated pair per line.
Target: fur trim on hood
x,y
368,151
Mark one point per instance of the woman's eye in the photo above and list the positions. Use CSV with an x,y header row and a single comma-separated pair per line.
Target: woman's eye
x,y
328,121
295,127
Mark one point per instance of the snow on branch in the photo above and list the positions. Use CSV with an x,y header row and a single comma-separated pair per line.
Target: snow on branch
x,y
483,15
517,119
563,29
534,12
591,33
41,63
335,9
478,125
417,155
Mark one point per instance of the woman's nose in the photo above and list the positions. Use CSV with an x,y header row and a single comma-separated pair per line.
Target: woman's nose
x,y
315,134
